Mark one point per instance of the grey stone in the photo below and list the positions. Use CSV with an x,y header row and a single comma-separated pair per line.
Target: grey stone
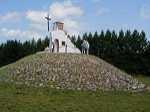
x,y
71,71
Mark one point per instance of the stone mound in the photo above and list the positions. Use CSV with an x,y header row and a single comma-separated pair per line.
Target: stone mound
x,y
71,71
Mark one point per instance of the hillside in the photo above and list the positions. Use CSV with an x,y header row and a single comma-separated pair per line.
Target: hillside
x,y
69,71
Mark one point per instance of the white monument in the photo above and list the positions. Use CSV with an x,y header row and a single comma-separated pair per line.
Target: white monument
x,y
60,41
85,47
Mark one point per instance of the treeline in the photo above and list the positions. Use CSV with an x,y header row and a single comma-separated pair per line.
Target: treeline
x,y
129,51
13,50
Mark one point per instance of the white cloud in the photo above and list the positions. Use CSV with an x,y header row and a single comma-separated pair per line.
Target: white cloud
x,y
37,20
18,34
65,9
145,11
59,11
67,12
70,23
72,26
10,17
36,16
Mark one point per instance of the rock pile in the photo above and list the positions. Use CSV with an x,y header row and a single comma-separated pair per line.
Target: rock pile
x,y
71,71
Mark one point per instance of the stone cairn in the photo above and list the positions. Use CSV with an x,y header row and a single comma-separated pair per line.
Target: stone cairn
x,y
71,71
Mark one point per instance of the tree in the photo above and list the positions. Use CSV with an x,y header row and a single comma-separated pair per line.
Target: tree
x,y
39,45
129,51
79,42
121,42
143,43
107,43
73,39
46,41
85,36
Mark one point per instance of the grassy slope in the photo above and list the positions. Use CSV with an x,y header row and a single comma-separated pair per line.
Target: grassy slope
x,y
15,98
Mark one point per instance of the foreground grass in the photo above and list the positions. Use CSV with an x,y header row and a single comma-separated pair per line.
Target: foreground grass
x,y
15,98
144,79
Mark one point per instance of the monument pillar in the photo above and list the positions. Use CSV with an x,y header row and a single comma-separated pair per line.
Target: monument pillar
x,y
49,33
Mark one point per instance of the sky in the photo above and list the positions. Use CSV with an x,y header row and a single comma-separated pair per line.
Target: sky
x,y
24,19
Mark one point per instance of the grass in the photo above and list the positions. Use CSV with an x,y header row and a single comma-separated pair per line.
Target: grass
x,y
20,98
3,73
144,79
17,98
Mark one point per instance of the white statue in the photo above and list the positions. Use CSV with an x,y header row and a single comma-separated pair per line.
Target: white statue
x,y
50,42
59,41
85,47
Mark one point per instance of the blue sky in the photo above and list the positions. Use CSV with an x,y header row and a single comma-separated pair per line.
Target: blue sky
x,y
24,19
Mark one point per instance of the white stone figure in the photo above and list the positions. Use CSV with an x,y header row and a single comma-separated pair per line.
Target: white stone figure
x,y
46,49
60,41
50,42
85,47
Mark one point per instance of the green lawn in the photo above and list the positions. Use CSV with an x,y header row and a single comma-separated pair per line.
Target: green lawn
x,y
24,99
144,79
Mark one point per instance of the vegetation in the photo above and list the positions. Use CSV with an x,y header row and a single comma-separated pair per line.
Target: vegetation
x,y
20,98
129,51
13,50
69,71
16,98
